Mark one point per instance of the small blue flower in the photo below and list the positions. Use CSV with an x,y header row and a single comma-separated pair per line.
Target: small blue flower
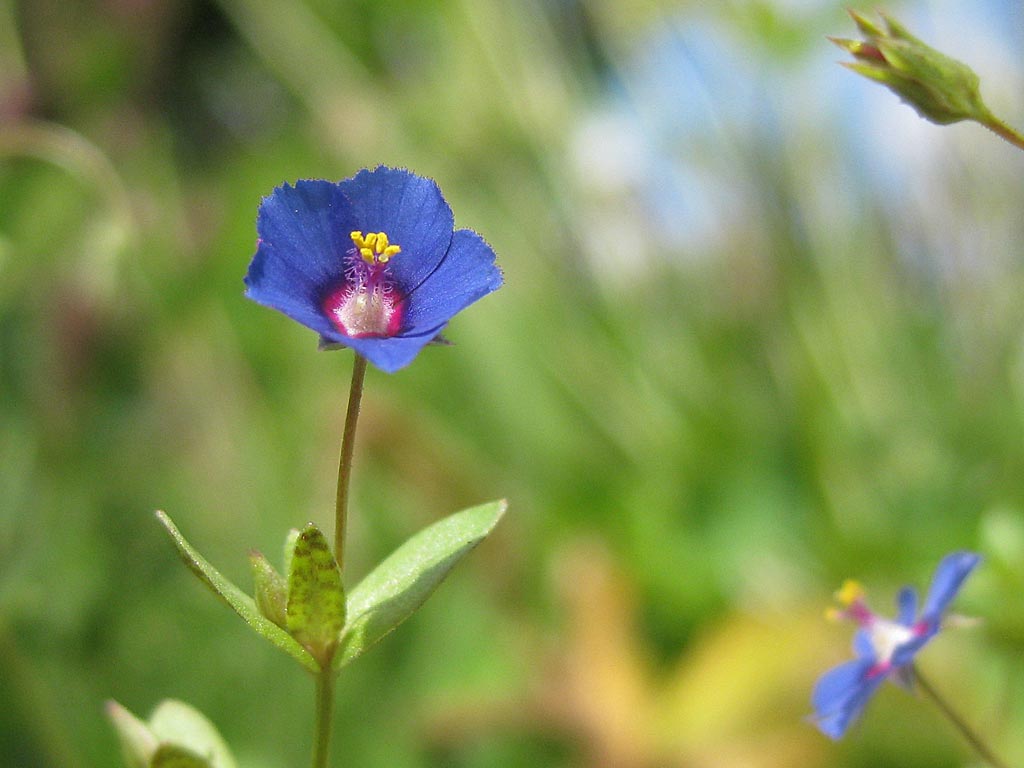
x,y
884,648
372,263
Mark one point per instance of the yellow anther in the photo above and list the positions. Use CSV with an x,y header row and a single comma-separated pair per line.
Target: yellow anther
x,y
374,247
850,592
834,614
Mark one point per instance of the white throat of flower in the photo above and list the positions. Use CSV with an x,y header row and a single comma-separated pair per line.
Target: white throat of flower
x,y
887,636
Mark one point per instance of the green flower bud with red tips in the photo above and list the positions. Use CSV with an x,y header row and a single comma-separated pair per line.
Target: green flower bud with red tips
x,y
941,89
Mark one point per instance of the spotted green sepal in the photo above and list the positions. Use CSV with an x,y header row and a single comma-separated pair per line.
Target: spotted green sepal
x,y
315,612
176,736
940,88
240,602
398,586
271,589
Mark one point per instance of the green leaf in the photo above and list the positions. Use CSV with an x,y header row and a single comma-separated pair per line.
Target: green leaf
x,y
240,602
289,549
270,588
315,613
138,743
173,756
176,736
187,738
398,586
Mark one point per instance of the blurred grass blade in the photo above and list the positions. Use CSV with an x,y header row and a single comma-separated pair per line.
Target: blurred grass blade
x,y
398,586
242,604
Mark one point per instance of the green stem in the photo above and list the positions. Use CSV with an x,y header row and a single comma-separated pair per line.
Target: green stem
x,y
958,722
1002,130
325,680
324,711
348,442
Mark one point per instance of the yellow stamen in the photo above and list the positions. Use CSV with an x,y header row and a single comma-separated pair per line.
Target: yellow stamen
x,y
374,247
834,614
850,592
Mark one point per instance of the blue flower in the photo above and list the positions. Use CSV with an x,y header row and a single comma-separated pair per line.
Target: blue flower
x,y
372,263
884,648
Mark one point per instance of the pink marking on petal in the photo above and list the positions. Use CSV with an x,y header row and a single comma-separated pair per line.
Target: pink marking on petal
x,y
881,668
860,613
365,311
368,304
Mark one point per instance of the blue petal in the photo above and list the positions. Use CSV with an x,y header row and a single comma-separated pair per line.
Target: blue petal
x,y
303,238
466,274
862,645
841,695
907,603
948,579
413,213
904,654
388,354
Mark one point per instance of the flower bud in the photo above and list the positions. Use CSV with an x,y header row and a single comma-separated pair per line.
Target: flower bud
x,y
941,89
176,735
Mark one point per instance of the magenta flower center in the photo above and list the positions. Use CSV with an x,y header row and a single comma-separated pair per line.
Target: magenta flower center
x,y
368,303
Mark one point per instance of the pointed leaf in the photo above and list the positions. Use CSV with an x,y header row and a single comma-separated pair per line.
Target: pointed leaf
x,y
138,743
400,584
240,602
316,601
867,27
289,549
184,727
270,588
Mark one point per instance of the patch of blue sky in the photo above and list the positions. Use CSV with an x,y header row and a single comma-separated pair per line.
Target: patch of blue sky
x,y
686,113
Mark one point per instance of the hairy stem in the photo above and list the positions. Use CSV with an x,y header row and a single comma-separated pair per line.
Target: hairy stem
x,y
1002,130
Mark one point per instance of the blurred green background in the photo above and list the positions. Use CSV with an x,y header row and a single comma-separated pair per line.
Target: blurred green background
x,y
762,330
